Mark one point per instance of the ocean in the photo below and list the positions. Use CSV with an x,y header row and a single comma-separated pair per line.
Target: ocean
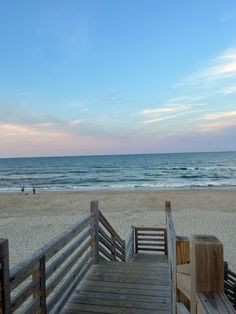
x,y
144,171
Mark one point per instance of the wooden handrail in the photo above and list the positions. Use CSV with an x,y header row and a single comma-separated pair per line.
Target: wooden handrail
x,y
197,273
110,244
171,247
40,267
150,239
58,266
129,246
230,284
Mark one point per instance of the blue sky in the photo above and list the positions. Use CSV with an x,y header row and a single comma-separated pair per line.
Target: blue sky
x,y
108,77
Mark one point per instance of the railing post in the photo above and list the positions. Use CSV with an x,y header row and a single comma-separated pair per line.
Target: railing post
x,y
113,240
165,242
5,302
207,266
40,276
133,239
94,235
171,248
235,295
136,239
182,258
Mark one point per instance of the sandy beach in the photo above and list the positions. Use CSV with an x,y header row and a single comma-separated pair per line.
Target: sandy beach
x,y
28,220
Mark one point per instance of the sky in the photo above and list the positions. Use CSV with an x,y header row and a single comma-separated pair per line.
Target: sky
x,y
117,77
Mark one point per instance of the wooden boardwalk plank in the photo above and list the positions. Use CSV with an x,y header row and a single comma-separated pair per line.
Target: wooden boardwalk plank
x,y
141,286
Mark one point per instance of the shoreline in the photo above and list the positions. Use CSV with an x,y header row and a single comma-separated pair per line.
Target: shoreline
x,y
123,189
29,221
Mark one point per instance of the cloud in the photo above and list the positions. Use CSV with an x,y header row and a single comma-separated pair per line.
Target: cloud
x,y
189,99
16,132
164,109
228,90
216,126
162,118
165,112
75,122
218,68
219,115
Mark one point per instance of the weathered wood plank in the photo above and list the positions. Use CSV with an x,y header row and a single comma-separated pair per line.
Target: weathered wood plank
x,y
150,229
215,302
124,292
23,270
64,298
115,287
127,285
85,299
181,308
74,308
120,296
5,302
184,269
184,284
67,253
104,252
57,279
70,280
23,295
107,225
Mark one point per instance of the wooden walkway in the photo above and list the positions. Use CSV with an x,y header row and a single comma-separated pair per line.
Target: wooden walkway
x,y
140,286
89,268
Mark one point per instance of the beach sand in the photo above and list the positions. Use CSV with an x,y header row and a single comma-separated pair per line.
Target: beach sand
x,y
28,221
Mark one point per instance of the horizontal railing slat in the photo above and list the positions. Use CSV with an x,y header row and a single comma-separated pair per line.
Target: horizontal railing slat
x,y
59,306
119,248
19,276
69,281
56,280
156,235
150,229
67,253
159,245
104,252
230,272
151,249
105,243
21,271
107,225
105,235
120,256
66,237
32,307
23,295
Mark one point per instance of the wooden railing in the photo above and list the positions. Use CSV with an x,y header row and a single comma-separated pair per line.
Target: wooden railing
x,y
150,240
197,273
43,282
111,246
171,245
230,284
129,245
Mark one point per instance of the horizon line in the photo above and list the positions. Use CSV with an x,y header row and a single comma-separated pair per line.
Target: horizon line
x,y
121,154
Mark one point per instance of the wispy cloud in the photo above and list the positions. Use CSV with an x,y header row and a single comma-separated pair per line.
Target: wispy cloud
x,y
164,109
16,132
218,68
189,99
75,122
228,90
215,126
219,115
162,118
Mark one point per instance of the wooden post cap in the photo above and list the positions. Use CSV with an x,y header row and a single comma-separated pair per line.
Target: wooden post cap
x,y
207,261
167,206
